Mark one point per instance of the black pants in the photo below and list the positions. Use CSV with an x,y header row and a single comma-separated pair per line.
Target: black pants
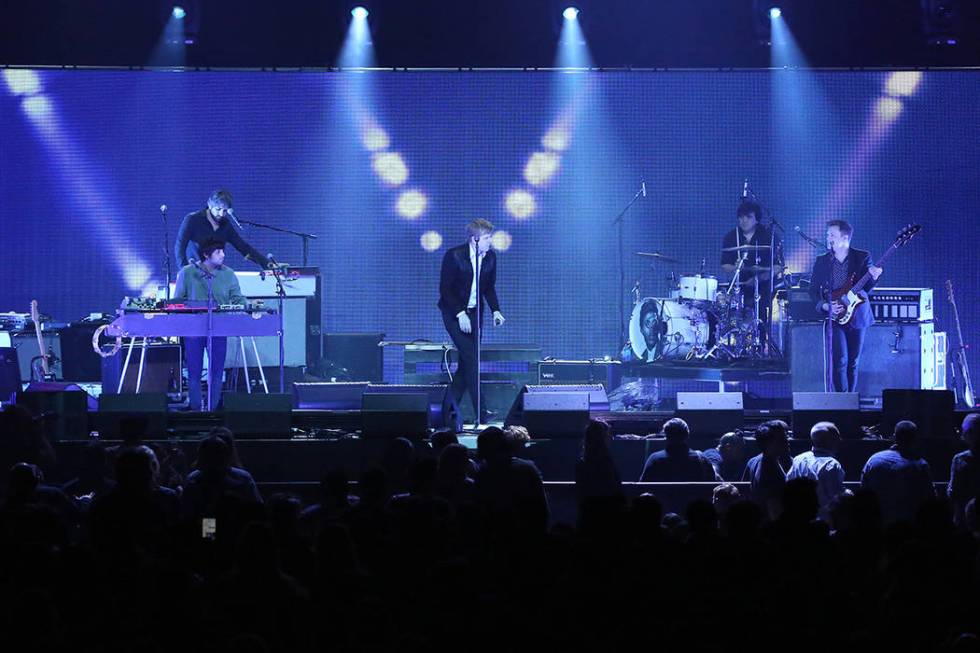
x,y
847,343
467,377
194,349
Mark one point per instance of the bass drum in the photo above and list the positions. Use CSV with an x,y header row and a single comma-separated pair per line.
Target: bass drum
x,y
667,329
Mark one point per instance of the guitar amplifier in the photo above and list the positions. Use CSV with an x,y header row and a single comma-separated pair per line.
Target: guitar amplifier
x,y
896,305
561,372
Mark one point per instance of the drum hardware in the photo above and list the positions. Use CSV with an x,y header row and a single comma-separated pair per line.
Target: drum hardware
x,y
657,256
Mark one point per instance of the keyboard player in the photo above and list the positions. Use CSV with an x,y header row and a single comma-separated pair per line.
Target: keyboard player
x,y
192,285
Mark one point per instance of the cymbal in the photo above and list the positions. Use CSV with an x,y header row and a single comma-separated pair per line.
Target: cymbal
x,y
657,255
755,268
745,248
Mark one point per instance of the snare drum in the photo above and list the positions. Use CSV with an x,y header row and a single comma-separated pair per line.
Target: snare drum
x,y
665,328
699,287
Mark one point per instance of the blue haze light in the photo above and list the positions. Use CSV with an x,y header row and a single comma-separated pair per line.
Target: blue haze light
x,y
775,12
179,13
570,13
359,13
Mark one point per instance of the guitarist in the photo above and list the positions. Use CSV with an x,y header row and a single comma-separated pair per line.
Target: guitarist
x,y
838,270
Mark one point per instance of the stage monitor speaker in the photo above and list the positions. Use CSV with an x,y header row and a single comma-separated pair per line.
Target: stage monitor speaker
x,y
258,415
352,357
161,370
598,399
328,396
61,408
841,408
443,411
10,380
711,413
556,414
118,413
393,415
931,410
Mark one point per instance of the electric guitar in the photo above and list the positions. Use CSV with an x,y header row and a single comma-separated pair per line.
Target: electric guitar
x,y
851,290
962,387
36,317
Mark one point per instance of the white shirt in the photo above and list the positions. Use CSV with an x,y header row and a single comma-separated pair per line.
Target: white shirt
x,y
472,302
820,466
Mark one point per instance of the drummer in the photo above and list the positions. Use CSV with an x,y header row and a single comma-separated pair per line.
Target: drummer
x,y
750,233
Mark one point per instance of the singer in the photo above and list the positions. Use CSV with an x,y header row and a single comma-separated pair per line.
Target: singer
x,y
840,268
192,285
212,222
461,303
751,232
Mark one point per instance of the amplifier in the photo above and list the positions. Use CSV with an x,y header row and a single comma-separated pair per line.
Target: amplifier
x,y
608,373
902,304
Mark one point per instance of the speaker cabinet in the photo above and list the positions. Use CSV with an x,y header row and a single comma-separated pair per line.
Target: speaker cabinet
x,y
26,346
258,415
63,413
328,396
841,408
119,412
931,410
711,413
556,414
10,379
598,399
161,370
608,373
395,414
352,357
893,356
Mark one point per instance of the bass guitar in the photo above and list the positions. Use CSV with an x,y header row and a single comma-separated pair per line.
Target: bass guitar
x,y
45,366
848,295
961,371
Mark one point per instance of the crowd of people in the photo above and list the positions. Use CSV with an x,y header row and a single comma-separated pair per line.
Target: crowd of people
x,y
436,547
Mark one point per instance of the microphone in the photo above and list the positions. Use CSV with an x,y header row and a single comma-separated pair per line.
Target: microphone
x,y
811,241
163,208
643,188
745,189
231,214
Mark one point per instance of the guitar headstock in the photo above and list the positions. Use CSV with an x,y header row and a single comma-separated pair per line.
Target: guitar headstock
x,y
949,291
906,233
34,313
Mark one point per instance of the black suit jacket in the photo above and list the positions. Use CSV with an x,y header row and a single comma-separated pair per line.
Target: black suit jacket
x,y
456,280
858,262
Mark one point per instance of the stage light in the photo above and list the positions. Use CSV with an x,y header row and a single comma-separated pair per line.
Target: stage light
x,y
501,240
359,13
430,241
37,108
556,138
520,204
775,12
391,168
374,138
570,13
136,276
541,167
22,82
903,83
888,108
411,204
179,13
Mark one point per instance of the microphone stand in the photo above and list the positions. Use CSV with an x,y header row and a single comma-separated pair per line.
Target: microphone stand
x,y
305,236
166,252
210,277
280,294
828,343
477,326
618,222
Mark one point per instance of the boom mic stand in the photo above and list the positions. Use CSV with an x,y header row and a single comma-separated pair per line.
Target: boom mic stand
x,y
618,222
305,236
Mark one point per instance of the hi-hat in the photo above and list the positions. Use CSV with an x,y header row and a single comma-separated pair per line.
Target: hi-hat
x,y
745,248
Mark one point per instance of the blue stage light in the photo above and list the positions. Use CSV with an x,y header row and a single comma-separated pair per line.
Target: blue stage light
x,y
570,13
775,12
179,13
359,13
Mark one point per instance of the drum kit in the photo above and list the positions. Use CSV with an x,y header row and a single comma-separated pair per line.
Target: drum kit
x,y
700,319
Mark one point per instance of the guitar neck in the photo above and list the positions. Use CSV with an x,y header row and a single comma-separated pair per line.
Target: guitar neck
x,y
859,285
36,318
